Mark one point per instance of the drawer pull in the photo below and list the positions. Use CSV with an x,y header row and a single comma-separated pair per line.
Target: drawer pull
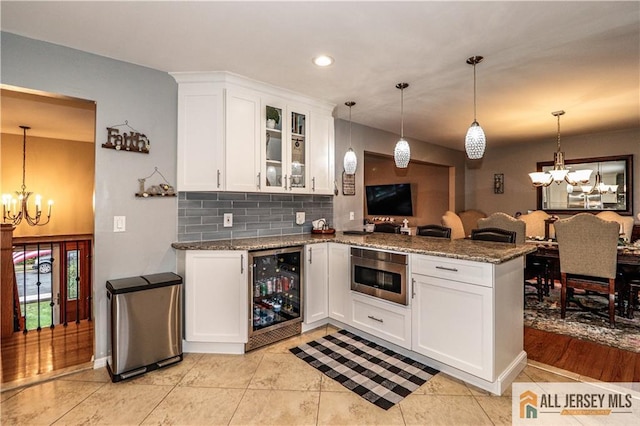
x,y
444,268
374,318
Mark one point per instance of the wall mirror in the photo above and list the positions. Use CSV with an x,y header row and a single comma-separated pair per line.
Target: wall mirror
x,y
610,187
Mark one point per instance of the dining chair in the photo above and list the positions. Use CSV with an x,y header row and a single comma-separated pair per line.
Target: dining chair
x,y
437,231
624,222
493,234
453,221
535,271
470,218
387,227
536,228
587,247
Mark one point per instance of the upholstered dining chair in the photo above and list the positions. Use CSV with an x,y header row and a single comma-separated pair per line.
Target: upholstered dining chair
x,y
387,227
504,221
534,268
434,231
588,252
493,234
470,218
624,222
534,222
453,221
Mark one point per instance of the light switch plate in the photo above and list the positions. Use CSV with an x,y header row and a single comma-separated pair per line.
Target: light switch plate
x,y
300,218
228,220
352,216
119,223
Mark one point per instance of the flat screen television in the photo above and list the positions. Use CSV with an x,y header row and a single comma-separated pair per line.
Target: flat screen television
x,y
389,200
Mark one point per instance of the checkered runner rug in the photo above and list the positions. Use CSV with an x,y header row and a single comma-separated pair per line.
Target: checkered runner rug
x,y
379,375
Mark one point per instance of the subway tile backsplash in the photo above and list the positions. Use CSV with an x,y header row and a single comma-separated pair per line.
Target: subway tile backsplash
x,y
200,214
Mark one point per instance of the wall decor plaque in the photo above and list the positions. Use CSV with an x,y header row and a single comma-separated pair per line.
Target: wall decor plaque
x,y
348,184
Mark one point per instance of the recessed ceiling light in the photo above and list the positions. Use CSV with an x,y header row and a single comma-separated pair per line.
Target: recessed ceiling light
x,y
323,60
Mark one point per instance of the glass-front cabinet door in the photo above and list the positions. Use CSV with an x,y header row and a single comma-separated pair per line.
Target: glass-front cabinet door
x,y
298,151
285,152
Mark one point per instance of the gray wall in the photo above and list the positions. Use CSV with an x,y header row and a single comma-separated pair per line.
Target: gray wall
x,y
517,161
148,100
201,214
365,138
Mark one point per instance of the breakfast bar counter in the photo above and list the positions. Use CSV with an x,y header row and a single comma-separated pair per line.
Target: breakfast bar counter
x,y
464,249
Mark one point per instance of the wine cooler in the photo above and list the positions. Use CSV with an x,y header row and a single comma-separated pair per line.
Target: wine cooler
x,y
276,290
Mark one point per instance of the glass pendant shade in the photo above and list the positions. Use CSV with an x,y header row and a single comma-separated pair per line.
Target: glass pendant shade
x,y
475,142
540,178
558,175
350,162
402,154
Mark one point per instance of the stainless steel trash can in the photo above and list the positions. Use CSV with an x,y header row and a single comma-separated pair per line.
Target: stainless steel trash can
x,y
145,320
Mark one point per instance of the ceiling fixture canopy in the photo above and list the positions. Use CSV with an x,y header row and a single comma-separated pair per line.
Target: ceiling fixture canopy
x,y
559,173
14,210
402,151
475,141
350,159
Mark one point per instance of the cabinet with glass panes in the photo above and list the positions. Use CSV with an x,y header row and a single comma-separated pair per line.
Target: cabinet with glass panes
x,y
285,164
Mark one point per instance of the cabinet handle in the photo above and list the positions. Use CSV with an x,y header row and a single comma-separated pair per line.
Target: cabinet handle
x,y
285,182
375,319
259,180
242,263
310,254
290,183
218,178
313,183
444,268
413,288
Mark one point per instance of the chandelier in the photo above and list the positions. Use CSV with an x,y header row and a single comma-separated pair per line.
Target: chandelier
x,y
402,151
475,141
559,173
14,210
350,159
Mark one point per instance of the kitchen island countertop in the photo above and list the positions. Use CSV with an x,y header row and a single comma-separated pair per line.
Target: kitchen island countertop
x,y
466,249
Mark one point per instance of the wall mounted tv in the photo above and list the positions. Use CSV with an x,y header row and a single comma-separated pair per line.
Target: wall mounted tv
x,y
389,200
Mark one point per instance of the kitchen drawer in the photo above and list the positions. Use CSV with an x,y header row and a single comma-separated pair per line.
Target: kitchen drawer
x,y
382,319
453,269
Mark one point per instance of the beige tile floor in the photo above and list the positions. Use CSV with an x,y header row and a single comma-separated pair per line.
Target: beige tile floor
x,y
269,386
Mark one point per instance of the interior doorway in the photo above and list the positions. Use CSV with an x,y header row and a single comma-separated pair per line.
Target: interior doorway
x,y
52,282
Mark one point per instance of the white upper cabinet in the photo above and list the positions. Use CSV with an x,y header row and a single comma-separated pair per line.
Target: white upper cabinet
x,y
236,134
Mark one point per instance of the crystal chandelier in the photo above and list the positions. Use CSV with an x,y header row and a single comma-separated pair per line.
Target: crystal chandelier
x,y
350,159
475,141
14,210
402,152
560,172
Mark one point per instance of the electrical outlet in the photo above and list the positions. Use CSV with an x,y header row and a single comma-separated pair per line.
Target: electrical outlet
x,y
119,223
228,220
300,218
352,216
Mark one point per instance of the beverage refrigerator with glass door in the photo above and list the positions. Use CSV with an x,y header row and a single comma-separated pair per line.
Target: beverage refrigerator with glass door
x,y
275,292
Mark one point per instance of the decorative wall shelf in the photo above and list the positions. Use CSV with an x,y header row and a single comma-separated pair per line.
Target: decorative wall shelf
x,y
133,141
163,189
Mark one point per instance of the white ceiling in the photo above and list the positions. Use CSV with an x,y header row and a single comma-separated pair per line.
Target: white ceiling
x,y
582,57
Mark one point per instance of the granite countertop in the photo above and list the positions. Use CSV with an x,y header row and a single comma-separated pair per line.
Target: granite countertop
x,y
479,251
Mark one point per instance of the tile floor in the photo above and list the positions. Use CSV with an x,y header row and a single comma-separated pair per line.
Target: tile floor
x,y
269,386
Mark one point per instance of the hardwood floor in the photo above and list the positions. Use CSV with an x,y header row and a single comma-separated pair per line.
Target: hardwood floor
x,y
589,359
38,354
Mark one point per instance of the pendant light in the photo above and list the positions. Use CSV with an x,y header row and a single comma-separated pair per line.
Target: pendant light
x,y
402,152
560,172
350,159
14,210
475,141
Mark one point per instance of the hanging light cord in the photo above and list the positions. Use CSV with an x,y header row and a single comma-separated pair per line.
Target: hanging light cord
x,y
24,156
474,91
350,105
401,112
558,131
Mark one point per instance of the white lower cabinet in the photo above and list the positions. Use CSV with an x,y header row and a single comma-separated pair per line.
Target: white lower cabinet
x,y
452,324
216,295
386,320
316,290
339,282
